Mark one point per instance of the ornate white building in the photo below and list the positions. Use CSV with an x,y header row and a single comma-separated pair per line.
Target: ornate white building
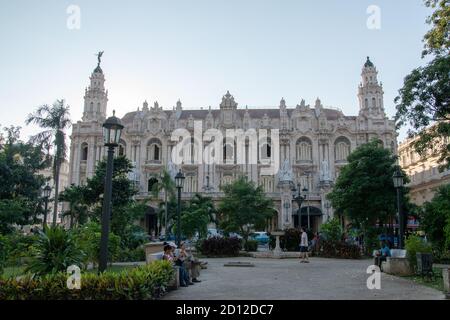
x,y
314,143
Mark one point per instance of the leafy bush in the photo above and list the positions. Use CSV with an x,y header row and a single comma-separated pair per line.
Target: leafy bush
x,y
130,255
219,246
145,282
339,249
88,239
251,245
54,251
18,248
413,245
332,230
2,253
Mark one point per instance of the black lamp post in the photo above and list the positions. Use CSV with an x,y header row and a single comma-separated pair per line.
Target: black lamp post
x,y
179,182
306,196
112,128
46,191
398,184
297,197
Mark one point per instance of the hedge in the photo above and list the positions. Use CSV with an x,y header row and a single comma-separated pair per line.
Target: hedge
x,y
145,282
219,246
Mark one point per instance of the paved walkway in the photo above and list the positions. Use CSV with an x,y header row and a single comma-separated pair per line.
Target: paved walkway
x,y
273,279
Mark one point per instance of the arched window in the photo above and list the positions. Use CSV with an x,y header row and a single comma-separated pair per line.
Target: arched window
x,y
266,149
304,149
228,150
122,148
84,151
154,148
366,103
98,107
151,184
341,149
374,104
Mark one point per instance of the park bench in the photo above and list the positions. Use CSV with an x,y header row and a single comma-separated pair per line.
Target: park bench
x,y
397,263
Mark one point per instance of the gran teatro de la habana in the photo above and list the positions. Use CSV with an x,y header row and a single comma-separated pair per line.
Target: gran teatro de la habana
x,y
309,144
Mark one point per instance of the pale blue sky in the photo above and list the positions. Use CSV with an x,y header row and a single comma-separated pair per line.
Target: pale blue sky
x,y
260,50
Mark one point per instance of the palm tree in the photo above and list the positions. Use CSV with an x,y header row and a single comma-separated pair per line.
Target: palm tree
x,y
55,119
167,185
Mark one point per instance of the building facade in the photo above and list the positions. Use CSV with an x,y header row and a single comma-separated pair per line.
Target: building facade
x,y
312,145
423,171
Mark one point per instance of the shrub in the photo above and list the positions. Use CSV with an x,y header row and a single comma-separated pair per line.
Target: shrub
x,y
2,253
413,245
18,248
219,246
130,255
54,251
332,230
251,245
145,282
88,239
339,249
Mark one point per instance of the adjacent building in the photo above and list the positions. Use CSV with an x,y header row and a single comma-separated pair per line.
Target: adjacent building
x,y
423,171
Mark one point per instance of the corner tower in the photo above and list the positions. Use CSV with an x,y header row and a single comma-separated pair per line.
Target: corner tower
x,y
95,96
370,92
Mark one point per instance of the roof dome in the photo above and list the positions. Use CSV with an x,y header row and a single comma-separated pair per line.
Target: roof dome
x,y
368,63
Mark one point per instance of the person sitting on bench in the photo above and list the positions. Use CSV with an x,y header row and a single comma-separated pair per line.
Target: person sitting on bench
x,y
382,254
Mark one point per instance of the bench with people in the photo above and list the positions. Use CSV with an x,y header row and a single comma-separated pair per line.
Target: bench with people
x,y
186,265
392,261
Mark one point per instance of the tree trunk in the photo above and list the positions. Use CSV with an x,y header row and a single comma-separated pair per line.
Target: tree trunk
x,y
56,182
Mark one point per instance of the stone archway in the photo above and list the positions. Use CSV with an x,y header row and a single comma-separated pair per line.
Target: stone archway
x,y
301,220
150,222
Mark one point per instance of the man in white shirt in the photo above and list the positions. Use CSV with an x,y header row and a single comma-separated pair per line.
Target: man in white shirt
x,y
304,246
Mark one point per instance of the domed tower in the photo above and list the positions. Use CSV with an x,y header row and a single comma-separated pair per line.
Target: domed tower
x,y
370,92
95,97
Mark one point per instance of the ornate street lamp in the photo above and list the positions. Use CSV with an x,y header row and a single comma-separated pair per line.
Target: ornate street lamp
x,y
306,196
179,182
398,185
112,128
46,191
297,197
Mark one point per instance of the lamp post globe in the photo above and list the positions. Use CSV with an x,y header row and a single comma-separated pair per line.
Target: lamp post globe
x,y
398,180
112,129
179,183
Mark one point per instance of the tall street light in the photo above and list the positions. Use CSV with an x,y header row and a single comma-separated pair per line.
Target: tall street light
x,y
112,128
297,197
179,182
398,185
306,196
46,191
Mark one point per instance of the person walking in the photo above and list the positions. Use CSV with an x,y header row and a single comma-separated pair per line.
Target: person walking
x,y
304,246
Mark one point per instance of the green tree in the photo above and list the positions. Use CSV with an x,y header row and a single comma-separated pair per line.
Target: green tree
x,y
167,185
55,119
196,216
435,219
125,210
244,207
425,96
332,230
21,183
78,210
364,190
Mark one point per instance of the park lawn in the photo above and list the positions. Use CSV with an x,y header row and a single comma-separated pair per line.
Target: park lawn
x,y
436,282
